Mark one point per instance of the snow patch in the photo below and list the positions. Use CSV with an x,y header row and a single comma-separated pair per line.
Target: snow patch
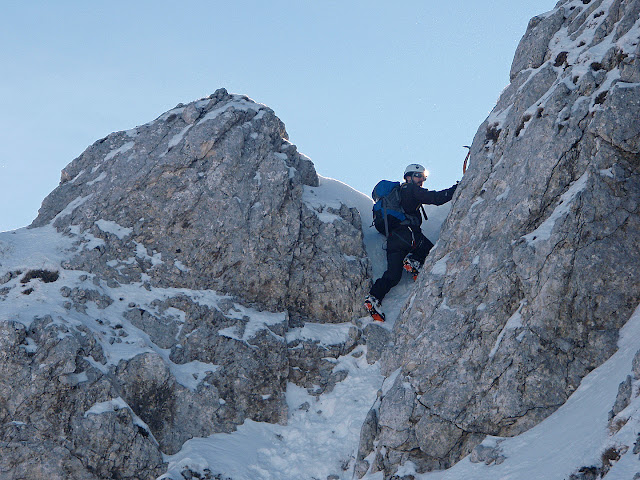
x,y
176,139
89,241
165,116
504,194
497,117
608,172
238,103
437,215
74,179
68,210
440,267
100,177
181,266
321,434
141,252
25,248
108,406
515,321
113,406
328,195
190,374
31,346
543,232
113,228
124,148
323,333
256,321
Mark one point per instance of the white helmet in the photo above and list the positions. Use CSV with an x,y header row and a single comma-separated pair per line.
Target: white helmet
x,y
415,168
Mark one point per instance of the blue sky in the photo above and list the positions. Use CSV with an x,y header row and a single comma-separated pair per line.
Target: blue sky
x,y
364,87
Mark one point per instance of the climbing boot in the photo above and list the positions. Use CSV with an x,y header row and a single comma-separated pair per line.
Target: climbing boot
x,y
372,304
412,266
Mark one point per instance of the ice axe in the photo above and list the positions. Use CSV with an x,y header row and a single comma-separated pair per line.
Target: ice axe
x,y
466,159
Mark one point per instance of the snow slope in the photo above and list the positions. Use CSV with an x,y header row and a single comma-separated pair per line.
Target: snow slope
x,y
322,434
319,440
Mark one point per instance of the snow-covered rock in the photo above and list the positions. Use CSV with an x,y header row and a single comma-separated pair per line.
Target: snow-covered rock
x,y
537,265
212,195
178,309
183,276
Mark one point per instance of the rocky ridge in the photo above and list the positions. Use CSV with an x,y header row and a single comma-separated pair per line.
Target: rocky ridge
x,y
211,196
161,291
536,268
188,260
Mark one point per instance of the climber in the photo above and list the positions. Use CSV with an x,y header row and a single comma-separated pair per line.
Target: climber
x,y
407,247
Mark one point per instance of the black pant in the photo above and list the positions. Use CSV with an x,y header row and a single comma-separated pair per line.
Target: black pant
x,y
401,242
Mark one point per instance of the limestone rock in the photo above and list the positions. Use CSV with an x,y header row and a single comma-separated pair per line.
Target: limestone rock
x,y
46,391
487,455
636,366
377,340
368,434
190,250
210,196
536,268
533,47
623,398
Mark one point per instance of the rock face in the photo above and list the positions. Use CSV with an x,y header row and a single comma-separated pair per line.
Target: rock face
x,y
178,257
210,196
45,431
537,265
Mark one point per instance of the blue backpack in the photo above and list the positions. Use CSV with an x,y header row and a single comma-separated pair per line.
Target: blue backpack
x,y
387,209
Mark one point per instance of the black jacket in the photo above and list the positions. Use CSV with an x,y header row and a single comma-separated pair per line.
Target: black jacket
x,y
412,196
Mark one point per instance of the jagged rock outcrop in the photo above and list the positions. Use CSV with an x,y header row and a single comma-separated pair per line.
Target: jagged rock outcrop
x,y
47,429
537,265
153,298
210,196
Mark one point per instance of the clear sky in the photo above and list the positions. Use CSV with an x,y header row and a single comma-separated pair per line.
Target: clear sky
x,y
364,87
